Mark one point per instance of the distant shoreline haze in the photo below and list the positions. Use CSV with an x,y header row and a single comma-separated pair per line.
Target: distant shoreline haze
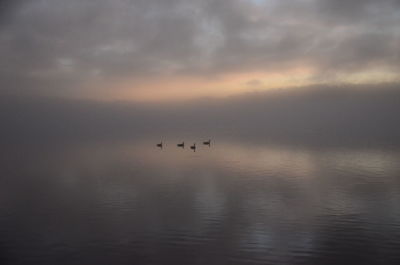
x,y
327,116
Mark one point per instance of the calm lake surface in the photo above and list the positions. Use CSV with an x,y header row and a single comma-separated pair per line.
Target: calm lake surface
x,y
127,202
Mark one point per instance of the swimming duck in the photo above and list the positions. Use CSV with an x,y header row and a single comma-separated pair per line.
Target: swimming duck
x,y
193,147
207,142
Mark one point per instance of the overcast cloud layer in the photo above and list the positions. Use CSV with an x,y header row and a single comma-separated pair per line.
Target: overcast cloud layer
x,y
54,47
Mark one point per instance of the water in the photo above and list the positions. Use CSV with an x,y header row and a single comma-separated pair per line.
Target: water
x,y
128,202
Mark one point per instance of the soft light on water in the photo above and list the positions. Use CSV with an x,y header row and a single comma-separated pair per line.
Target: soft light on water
x,y
231,203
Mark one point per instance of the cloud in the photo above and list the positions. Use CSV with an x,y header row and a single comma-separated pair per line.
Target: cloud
x,y
254,83
55,47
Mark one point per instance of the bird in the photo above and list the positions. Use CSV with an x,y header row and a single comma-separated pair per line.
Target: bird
x,y
207,142
181,145
193,147
160,145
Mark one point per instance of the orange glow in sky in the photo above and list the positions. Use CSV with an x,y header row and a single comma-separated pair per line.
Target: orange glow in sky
x,y
189,87
176,88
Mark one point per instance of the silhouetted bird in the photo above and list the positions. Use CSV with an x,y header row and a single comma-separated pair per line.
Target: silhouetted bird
x,y
181,145
159,145
193,147
207,142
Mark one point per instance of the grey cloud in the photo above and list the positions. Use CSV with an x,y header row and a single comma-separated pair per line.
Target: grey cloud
x,y
363,49
54,46
346,11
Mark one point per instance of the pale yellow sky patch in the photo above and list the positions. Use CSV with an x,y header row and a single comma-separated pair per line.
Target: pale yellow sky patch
x,y
188,87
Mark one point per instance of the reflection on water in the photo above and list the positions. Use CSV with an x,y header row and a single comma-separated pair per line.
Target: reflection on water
x,y
231,203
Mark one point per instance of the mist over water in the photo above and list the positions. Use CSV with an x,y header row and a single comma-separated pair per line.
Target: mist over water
x,y
311,178
335,116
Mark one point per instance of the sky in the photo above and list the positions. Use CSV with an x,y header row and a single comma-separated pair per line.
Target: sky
x,y
167,50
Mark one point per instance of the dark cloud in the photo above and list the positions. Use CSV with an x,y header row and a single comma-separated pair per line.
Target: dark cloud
x,y
54,46
7,7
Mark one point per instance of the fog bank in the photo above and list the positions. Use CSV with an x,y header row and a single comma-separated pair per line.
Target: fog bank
x,y
326,116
